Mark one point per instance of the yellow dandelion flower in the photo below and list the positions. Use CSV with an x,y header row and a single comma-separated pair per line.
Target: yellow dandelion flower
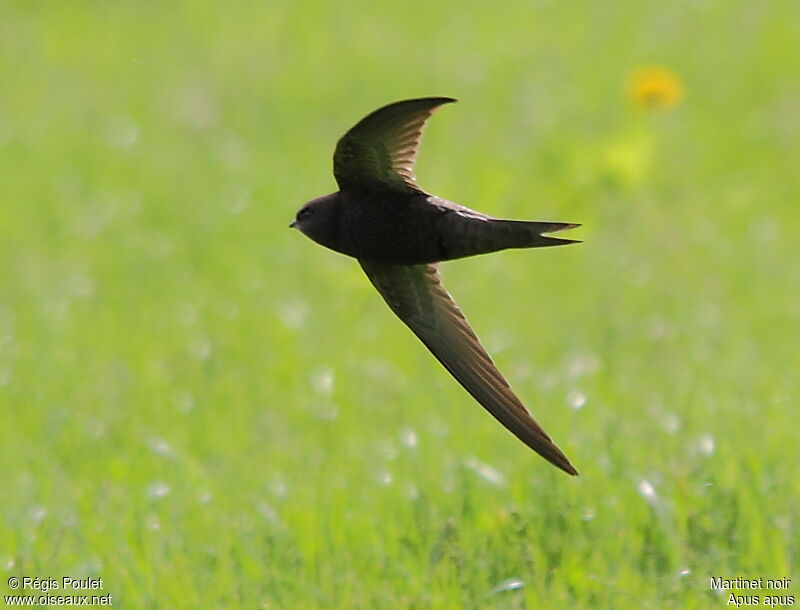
x,y
655,88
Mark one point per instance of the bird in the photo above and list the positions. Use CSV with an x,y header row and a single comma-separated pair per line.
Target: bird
x,y
399,234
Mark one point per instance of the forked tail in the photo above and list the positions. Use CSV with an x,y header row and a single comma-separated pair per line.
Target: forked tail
x,y
483,235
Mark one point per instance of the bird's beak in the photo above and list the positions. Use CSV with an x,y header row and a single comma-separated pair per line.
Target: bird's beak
x,y
293,224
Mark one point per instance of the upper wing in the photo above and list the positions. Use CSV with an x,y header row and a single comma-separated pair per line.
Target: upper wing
x,y
383,145
415,293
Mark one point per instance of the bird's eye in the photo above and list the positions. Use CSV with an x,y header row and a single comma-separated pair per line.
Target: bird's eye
x,y
303,214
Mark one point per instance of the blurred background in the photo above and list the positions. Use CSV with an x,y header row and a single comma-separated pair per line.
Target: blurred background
x,y
208,410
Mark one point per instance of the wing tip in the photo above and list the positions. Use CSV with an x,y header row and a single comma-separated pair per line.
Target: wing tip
x,y
556,457
569,469
435,100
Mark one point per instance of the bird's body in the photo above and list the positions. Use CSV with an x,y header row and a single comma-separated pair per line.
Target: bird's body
x,y
382,225
398,233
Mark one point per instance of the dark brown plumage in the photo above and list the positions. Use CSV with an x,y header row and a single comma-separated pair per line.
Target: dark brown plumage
x,y
398,233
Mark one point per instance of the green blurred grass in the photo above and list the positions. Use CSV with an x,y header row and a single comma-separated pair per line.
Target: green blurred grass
x,y
207,410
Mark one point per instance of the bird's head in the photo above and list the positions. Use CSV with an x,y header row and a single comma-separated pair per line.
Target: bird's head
x,y
318,219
